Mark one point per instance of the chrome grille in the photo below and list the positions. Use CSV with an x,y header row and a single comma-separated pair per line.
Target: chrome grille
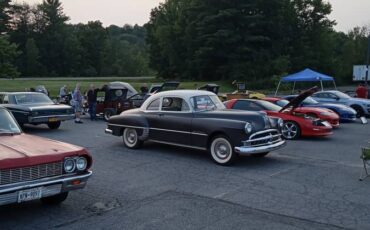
x,y
265,137
51,112
16,175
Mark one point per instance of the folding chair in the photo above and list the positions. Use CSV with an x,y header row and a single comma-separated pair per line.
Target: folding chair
x,y
365,156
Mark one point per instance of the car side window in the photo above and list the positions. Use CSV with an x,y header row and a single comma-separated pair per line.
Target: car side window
x,y
154,105
320,95
332,96
247,105
174,104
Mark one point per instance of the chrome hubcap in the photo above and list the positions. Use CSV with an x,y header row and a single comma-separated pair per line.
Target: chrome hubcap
x,y
290,130
131,136
222,150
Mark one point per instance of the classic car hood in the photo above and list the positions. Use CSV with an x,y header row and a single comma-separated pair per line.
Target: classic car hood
x,y
310,109
35,107
259,119
27,150
295,102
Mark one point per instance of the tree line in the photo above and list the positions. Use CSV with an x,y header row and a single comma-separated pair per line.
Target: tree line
x,y
37,40
253,40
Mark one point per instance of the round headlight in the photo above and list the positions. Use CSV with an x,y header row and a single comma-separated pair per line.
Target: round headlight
x,y
81,163
69,165
280,123
248,128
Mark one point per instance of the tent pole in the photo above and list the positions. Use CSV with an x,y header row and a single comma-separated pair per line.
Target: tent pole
x,y
322,87
293,88
277,89
335,85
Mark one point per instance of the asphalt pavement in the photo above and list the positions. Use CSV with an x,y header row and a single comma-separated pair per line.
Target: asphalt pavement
x,y
310,184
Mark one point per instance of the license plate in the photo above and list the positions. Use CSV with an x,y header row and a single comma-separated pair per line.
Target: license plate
x,y
326,123
53,119
29,194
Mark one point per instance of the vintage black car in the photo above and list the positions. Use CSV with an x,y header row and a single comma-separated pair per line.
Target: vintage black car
x,y
36,108
198,119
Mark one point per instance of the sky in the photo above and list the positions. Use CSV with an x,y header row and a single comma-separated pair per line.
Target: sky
x,y
347,13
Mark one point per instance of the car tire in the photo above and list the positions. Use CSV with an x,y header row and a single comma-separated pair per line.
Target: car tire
x,y
131,138
360,112
56,199
260,155
107,114
54,125
291,130
222,151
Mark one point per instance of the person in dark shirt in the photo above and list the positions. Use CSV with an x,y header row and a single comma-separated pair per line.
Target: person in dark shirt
x,y
362,91
91,100
144,88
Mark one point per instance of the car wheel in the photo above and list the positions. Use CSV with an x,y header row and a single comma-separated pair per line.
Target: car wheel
x,y
107,114
290,130
56,199
222,151
359,111
54,125
131,139
258,155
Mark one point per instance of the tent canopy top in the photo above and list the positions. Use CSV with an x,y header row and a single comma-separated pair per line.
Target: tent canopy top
x,y
306,76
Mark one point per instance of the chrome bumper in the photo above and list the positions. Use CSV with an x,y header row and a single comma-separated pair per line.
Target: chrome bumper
x,y
50,186
108,131
45,119
250,150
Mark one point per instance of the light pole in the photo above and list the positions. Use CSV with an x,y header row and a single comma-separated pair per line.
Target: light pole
x,y
367,60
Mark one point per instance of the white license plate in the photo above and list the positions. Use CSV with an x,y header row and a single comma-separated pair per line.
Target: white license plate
x,y
326,123
29,194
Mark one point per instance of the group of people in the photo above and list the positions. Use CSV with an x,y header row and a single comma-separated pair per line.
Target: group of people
x,y
77,100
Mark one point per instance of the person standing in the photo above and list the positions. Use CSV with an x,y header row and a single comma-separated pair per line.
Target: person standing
x,y
362,91
92,100
77,103
63,91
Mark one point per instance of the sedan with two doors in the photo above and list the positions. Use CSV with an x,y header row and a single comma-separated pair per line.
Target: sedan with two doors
x,y
198,119
344,112
33,168
361,106
296,124
36,108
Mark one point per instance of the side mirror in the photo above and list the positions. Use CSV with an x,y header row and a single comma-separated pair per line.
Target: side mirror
x,y
337,98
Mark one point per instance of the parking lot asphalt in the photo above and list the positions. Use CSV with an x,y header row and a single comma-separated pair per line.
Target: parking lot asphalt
x,y
310,184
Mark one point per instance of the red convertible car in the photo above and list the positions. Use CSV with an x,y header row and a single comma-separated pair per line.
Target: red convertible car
x,y
33,168
296,124
321,113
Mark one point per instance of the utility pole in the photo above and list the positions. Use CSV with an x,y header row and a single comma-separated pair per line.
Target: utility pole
x,y
367,60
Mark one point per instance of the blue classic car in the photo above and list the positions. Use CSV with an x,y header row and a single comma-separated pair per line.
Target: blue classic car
x,y
345,112
362,106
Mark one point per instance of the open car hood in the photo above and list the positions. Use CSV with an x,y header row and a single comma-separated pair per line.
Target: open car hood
x,y
295,102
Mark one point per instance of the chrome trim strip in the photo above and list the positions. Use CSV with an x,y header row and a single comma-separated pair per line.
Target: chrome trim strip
x,y
263,138
262,132
43,182
175,144
158,129
17,111
53,116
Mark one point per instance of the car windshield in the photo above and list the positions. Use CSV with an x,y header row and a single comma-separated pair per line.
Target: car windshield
x,y
342,95
206,103
7,123
270,106
282,103
310,101
31,98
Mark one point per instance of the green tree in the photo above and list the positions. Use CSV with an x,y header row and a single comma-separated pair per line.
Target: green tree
x,y
4,15
8,53
32,57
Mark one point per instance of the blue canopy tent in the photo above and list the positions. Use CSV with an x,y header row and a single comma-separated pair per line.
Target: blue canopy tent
x,y
306,75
